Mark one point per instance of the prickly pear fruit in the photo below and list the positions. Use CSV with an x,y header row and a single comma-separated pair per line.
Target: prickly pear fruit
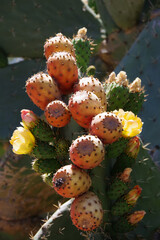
x,y
57,114
128,157
42,150
93,85
70,181
59,43
39,128
84,105
45,165
115,149
42,89
83,49
136,97
62,67
119,184
107,126
117,91
126,202
61,149
86,212
87,151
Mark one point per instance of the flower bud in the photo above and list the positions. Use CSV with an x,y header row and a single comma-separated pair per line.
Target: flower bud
x,y
133,147
133,195
29,119
125,175
136,217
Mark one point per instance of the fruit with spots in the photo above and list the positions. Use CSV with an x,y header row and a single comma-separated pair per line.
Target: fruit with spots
x,y
87,151
39,128
117,91
57,114
94,85
42,89
119,184
45,165
84,105
86,212
62,67
70,181
107,126
83,49
59,43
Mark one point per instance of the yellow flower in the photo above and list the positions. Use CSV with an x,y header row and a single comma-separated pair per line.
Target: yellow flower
x,y
132,125
22,141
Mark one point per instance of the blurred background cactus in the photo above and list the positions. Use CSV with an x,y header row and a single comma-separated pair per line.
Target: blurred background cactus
x,y
127,34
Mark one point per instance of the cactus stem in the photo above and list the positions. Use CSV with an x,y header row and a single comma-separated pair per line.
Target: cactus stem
x,y
43,231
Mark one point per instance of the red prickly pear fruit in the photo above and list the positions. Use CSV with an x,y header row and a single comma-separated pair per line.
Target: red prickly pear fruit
x,y
57,114
87,151
93,85
86,212
84,105
107,126
59,43
42,89
70,181
62,67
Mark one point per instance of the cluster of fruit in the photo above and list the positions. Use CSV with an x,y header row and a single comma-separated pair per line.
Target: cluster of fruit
x,y
87,105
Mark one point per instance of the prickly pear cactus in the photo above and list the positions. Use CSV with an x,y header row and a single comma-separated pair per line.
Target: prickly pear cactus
x,y
106,171
143,58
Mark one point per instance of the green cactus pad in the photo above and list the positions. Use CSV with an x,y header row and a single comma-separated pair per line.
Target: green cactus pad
x,y
47,178
13,96
117,189
115,149
42,131
135,102
43,150
116,95
93,5
123,161
61,148
83,53
120,207
3,59
122,225
45,165
125,13
41,19
142,61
